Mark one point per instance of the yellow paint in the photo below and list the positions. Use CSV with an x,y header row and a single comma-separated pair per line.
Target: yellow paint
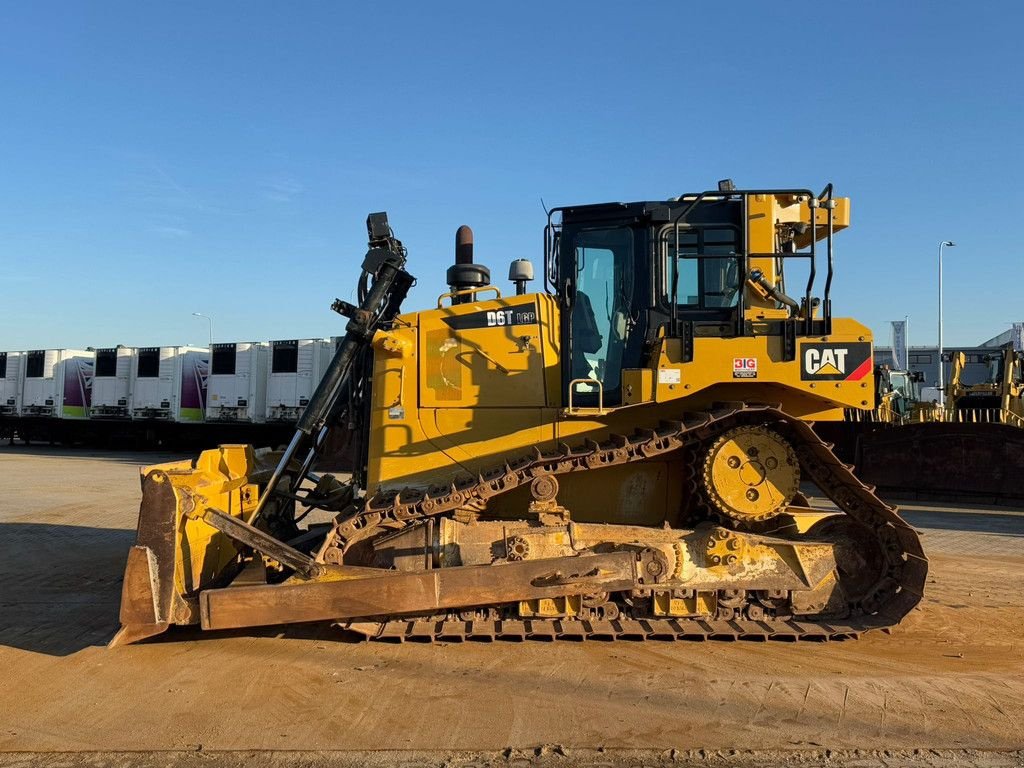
x,y
450,400
220,478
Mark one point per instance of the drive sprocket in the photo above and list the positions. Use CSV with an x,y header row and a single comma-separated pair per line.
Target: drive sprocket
x,y
751,474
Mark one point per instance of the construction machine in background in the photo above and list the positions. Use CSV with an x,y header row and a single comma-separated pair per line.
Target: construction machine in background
x,y
897,399
617,455
897,402
999,399
971,447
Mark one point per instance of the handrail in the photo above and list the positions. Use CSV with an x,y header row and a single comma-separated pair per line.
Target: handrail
x,y
571,409
467,292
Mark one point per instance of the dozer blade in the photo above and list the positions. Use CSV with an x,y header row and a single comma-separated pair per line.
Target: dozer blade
x,y
941,460
177,553
149,573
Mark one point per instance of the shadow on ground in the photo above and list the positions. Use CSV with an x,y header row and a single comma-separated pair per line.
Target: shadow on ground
x,y
60,585
70,452
60,591
1002,523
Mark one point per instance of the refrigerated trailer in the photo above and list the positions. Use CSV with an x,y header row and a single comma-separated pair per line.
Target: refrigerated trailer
x,y
11,364
296,367
56,383
236,389
168,383
110,383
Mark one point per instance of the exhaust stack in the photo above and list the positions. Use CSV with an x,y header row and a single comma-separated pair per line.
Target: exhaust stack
x,y
464,274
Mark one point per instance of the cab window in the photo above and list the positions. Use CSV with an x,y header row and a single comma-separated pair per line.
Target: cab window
x,y
602,312
708,283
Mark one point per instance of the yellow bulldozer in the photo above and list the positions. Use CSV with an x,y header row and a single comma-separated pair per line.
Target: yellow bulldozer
x,y
618,455
999,399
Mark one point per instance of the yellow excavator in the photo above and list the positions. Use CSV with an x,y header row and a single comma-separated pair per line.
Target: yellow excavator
x,y
619,455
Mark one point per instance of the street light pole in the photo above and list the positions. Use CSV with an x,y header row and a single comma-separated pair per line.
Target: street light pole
x,y
942,376
210,321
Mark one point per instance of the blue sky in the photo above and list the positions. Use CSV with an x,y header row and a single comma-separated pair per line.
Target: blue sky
x,y
158,159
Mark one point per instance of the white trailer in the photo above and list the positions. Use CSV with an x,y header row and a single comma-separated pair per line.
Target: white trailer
x,y
56,383
11,370
111,377
168,383
296,367
236,389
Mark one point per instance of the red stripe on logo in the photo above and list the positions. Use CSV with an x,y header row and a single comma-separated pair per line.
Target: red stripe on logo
x,y
861,372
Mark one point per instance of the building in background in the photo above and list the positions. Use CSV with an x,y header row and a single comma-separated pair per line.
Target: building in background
x,y
925,360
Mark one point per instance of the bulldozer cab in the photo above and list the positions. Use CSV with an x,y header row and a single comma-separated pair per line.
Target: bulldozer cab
x,y
628,275
1005,369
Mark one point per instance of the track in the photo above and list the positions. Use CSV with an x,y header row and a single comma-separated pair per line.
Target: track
x,y
895,592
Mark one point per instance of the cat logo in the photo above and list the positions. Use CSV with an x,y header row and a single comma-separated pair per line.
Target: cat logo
x,y
826,362
835,362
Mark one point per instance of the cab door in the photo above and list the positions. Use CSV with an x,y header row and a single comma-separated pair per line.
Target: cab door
x,y
599,291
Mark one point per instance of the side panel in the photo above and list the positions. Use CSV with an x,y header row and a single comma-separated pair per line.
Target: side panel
x,y
234,396
153,396
11,383
178,392
478,438
484,394
75,378
398,448
288,392
484,354
222,389
259,357
461,389
39,393
307,369
190,396
63,389
110,393
325,353
828,374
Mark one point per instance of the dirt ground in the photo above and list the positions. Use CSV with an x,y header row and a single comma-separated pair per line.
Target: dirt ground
x,y
948,683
